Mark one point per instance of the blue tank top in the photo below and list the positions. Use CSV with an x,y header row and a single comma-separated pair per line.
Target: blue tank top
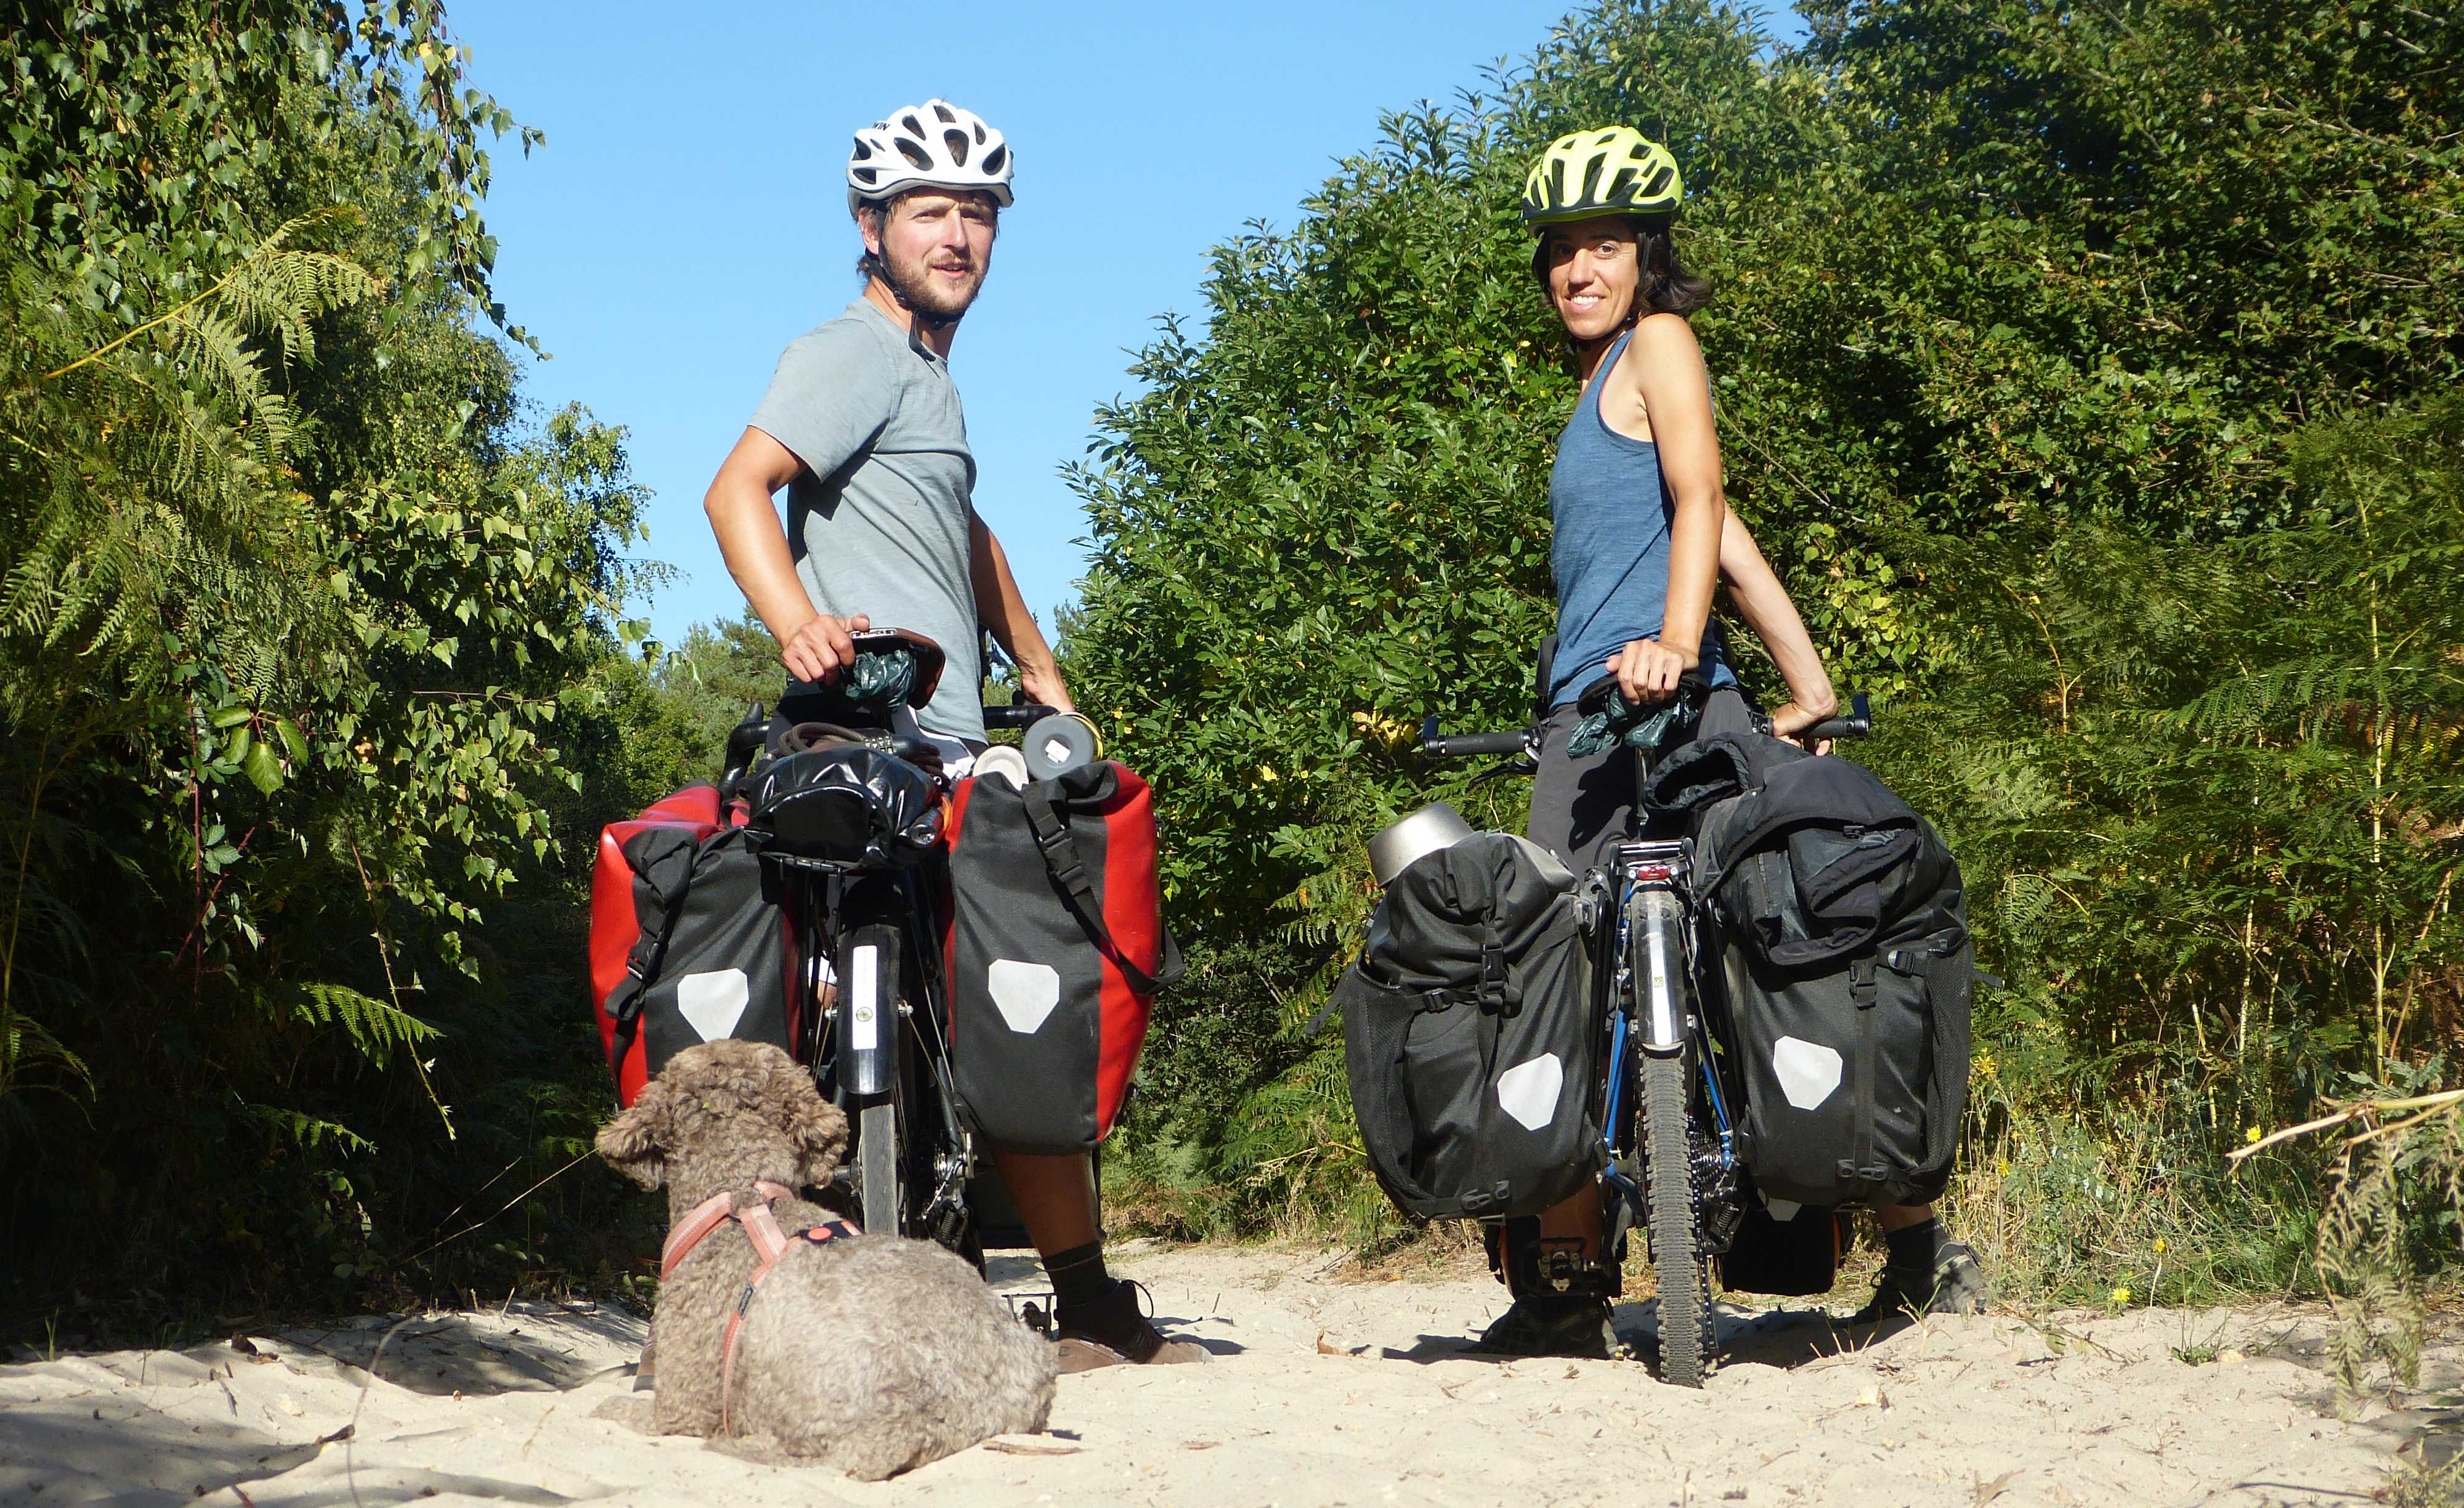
x,y
1609,511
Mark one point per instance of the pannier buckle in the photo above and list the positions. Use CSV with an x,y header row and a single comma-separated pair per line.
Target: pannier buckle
x,y
1497,992
1061,854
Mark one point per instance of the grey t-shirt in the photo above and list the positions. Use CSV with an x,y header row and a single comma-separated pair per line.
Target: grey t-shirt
x,y
878,519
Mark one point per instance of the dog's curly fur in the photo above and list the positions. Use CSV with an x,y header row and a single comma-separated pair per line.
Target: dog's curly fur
x,y
875,1354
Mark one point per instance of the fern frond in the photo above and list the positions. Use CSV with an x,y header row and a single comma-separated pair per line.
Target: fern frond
x,y
307,1132
376,1029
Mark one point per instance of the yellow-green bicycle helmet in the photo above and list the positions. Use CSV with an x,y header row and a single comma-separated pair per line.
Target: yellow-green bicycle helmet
x,y
1610,170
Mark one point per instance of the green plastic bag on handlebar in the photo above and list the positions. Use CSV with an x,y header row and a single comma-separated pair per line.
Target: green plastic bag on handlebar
x,y
1625,723
879,678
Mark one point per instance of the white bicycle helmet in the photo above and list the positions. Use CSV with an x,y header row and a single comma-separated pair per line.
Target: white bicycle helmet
x,y
935,145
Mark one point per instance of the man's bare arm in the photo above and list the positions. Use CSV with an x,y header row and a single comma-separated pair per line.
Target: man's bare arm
x,y
1767,609
1001,609
811,644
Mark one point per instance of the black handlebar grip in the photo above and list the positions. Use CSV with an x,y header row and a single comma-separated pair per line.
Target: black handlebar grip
x,y
1016,714
1857,724
1471,746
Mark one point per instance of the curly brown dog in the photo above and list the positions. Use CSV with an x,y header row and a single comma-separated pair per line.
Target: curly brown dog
x,y
873,1353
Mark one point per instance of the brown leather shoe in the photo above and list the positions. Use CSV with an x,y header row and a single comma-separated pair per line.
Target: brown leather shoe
x,y
1112,1332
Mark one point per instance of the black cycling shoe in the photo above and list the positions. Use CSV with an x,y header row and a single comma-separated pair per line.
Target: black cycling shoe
x,y
1550,1325
1955,1284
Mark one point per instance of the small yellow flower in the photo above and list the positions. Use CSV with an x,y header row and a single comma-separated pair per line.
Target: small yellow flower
x,y
2002,1167
2121,1296
2160,1246
2250,1135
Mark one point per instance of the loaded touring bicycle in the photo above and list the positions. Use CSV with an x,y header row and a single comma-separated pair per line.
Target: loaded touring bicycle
x,y
1764,1022
807,899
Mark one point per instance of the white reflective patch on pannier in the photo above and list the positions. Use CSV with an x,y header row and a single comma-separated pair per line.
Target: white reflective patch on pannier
x,y
1023,993
1529,1091
1808,1071
713,1001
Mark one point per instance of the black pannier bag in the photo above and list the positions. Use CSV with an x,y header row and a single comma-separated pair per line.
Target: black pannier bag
x,y
1470,1037
1847,969
1055,950
686,942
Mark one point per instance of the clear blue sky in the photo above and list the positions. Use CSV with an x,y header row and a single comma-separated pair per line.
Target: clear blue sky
x,y
687,217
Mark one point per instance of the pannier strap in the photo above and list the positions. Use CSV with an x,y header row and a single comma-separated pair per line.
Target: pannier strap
x,y
1060,849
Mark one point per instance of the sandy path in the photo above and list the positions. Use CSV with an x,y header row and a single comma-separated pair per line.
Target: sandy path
x,y
1960,1412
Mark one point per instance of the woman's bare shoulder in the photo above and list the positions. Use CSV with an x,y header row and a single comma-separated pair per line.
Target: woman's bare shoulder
x,y
1664,335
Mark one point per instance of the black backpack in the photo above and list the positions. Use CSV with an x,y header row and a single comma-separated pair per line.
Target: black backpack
x,y
1848,971
1470,1036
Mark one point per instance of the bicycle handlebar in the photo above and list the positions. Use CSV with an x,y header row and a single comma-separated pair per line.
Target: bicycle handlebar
x,y
1857,723
1471,746
1016,714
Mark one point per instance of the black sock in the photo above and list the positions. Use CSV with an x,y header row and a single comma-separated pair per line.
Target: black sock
x,y
1078,1276
1915,1248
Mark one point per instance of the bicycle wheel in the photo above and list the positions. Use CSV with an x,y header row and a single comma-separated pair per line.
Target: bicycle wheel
x,y
881,1172
1677,1255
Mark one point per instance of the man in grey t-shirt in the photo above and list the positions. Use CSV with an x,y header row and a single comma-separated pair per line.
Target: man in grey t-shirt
x,y
862,427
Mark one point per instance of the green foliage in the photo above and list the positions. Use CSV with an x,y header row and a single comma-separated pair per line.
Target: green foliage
x,y
2089,374
308,637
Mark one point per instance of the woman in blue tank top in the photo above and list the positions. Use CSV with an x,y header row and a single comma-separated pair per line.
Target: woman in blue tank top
x,y
1641,537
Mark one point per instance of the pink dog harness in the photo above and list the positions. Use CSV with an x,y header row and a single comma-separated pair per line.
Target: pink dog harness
x,y
769,1244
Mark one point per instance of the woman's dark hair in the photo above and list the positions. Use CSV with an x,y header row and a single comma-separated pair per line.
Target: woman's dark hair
x,y
1665,287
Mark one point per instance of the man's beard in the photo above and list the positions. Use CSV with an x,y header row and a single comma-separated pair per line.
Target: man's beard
x,y
921,291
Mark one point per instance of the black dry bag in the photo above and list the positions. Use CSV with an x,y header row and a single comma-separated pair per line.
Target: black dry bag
x,y
1848,971
1470,1035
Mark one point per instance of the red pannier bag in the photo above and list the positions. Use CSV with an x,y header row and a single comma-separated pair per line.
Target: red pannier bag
x,y
1055,950
687,944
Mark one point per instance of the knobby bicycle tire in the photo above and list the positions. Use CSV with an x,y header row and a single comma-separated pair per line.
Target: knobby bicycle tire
x,y
1677,1255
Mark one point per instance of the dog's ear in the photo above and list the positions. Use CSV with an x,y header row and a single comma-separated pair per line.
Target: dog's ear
x,y
636,1143
815,1127
821,1139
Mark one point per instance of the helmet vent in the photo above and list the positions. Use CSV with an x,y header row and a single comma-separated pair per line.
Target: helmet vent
x,y
1659,184
1618,184
996,159
941,113
862,151
915,127
914,153
957,141
1592,180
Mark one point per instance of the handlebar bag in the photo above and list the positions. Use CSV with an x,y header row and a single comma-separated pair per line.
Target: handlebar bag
x,y
1470,1036
853,803
686,942
1055,950
1848,974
